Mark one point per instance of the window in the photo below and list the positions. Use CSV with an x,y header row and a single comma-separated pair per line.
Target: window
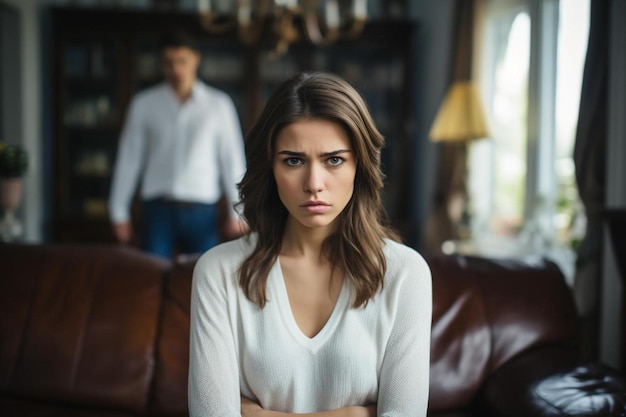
x,y
572,48
506,103
522,187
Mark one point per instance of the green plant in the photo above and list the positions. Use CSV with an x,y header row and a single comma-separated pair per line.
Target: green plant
x,y
13,161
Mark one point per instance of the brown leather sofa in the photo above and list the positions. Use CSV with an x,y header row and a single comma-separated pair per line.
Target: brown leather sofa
x,y
103,331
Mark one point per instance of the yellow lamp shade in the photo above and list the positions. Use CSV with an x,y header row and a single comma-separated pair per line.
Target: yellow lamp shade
x,y
460,117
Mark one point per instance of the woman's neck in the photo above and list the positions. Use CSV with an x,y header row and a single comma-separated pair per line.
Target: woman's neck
x,y
301,241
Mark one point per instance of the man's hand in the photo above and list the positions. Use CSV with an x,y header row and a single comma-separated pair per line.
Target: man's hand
x,y
123,232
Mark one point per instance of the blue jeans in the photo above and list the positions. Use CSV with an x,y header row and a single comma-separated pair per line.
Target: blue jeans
x,y
171,227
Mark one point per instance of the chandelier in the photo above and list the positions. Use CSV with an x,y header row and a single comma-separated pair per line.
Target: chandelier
x,y
322,21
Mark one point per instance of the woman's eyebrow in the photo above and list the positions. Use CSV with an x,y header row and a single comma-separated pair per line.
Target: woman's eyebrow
x,y
331,153
291,153
338,152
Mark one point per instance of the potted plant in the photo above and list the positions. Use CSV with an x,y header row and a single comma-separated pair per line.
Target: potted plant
x,y
13,166
13,161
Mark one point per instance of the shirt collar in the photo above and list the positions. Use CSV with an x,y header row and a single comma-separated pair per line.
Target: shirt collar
x,y
196,92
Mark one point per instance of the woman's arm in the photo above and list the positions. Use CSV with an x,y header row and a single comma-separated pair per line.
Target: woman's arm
x,y
213,365
404,376
251,409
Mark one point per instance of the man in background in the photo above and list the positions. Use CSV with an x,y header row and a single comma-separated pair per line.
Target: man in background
x,y
182,139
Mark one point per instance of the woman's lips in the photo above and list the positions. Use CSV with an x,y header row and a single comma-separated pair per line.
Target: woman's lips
x,y
316,206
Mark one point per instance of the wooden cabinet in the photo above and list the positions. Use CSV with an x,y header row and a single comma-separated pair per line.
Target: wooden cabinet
x,y
102,57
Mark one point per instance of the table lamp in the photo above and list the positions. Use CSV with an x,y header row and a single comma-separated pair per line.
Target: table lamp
x,y
460,120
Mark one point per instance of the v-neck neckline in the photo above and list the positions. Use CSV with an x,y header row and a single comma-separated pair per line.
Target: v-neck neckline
x,y
313,344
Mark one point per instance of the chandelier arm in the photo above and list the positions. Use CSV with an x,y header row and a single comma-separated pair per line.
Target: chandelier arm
x,y
250,33
314,32
208,21
356,28
285,27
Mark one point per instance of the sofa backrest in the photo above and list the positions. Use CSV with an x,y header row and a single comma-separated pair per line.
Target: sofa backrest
x,y
78,324
485,312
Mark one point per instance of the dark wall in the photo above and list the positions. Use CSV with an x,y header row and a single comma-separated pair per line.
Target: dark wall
x,y
10,76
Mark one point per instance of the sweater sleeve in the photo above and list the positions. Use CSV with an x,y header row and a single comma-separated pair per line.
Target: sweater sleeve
x,y
404,378
213,366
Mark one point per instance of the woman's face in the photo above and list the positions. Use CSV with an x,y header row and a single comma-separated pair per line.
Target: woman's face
x,y
314,168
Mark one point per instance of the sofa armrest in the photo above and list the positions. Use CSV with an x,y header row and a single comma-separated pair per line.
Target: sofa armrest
x,y
550,382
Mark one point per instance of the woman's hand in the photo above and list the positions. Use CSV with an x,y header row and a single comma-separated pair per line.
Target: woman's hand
x,y
369,411
251,409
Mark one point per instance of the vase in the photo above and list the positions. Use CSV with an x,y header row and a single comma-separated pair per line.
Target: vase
x,y
10,197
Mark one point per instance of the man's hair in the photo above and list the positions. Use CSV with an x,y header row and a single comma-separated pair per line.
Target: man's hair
x,y
177,39
355,248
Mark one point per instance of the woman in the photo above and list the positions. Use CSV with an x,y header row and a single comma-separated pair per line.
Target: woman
x,y
318,310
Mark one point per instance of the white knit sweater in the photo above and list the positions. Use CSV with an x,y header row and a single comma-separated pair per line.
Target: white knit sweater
x,y
378,354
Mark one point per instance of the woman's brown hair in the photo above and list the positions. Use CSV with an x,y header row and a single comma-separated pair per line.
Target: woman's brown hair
x,y
356,245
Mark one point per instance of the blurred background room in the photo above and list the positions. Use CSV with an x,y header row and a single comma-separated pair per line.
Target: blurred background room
x,y
504,118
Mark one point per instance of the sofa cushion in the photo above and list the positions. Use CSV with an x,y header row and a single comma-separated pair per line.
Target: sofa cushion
x,y
78,324
29,408
528,304
591,388
488,311
460,339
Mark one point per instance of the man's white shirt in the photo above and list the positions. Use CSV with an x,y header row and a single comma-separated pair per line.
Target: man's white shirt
x,y
190,151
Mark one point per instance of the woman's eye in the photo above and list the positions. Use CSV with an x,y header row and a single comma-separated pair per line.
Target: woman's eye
x,y
293,162
335,160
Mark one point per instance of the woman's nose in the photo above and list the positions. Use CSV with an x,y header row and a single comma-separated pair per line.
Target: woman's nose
x,y
314,181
